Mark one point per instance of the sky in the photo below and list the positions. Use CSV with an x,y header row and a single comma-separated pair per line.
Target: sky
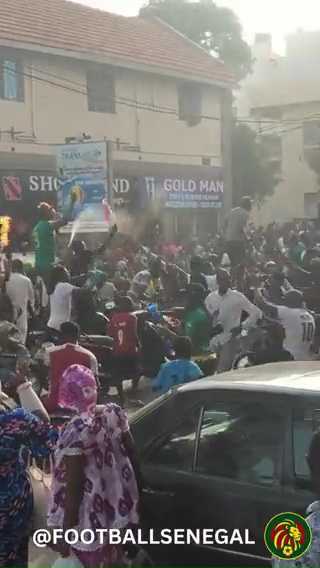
x,y
277,16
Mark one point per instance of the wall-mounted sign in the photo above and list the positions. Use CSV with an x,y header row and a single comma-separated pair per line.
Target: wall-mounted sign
x,y
182,193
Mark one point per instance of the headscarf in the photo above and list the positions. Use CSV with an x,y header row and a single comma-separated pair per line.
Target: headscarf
x,y
78,389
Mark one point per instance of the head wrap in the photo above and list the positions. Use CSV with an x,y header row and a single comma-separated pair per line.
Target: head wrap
x,y
78,389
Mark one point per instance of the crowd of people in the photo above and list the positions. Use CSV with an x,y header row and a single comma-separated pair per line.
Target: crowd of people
x,y
224,283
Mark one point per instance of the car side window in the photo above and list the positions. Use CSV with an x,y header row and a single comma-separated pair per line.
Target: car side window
x,y
177,449
303,427
243,442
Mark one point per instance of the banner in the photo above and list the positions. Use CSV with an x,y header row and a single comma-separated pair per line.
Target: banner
x,y
82,172
178,193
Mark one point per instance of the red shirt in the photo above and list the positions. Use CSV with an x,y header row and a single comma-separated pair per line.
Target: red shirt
x,y
59,359
123,330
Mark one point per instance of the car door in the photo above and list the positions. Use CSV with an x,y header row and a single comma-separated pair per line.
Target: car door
x,y
238,472
167,468
218,468
305,413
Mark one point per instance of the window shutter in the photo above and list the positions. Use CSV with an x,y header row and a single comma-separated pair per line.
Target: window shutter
x,y
101,91
190,103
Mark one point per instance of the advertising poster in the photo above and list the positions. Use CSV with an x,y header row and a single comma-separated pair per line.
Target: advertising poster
x,y
82,172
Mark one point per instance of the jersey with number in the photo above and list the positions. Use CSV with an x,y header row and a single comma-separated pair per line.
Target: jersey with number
x,y
299,326
44,238
123,330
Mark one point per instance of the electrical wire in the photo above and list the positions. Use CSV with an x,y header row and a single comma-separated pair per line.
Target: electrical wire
x,y
151,105
140,105
301,120
125,102
271,125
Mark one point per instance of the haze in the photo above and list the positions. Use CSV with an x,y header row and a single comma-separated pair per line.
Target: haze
x,y
276,16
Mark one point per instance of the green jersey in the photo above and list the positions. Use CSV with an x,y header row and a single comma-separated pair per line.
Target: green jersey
x,y
296,253
197,327
44,238
96,278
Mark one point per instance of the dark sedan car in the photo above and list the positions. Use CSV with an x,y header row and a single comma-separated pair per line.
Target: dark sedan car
x,y
229,453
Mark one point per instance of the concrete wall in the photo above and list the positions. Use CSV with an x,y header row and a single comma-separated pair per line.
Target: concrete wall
x,y
298,178
55,107
287,93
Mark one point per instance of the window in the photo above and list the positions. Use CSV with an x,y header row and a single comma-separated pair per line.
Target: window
x,y
305,422
241,442
178,449
311,133
11,80
190,103
101,90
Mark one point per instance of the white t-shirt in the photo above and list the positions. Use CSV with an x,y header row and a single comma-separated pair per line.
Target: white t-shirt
x,y
20,291
211,282
60,305
227,310
299,326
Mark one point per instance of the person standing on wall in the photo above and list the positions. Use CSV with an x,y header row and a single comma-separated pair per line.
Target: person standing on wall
x,y
44,237
235,235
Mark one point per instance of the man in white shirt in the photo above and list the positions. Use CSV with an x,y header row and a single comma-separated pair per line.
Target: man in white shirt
x,y
298,323
235,232
21,293
60,305
226,307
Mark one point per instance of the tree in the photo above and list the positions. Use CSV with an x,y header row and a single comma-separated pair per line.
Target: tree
x,y
216,29
312,156
254,173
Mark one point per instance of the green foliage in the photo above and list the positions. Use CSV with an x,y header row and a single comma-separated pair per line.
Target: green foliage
x,y
312,157
216,29
254,172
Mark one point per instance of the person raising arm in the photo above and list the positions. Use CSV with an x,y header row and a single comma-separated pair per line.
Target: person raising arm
x,y
44,237
298,323
226,307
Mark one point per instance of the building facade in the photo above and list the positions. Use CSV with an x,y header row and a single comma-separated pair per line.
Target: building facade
x,y
70,72
281,99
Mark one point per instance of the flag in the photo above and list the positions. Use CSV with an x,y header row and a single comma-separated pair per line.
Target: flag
x,y
108,213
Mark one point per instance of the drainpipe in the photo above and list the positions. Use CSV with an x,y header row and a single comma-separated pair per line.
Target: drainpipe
x,y
32,102
137,114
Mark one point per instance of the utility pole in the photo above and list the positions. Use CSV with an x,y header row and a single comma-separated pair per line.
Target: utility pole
x,y
110,173
226,152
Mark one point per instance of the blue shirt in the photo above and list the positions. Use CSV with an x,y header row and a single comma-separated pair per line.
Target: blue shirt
x,y
177,372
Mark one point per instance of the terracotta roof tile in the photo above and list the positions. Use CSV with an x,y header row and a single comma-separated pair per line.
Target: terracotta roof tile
x,y
70,26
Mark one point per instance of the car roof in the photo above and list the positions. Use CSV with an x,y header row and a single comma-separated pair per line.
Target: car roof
x,y
291,377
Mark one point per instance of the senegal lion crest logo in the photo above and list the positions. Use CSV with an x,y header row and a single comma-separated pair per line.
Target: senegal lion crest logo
x,y
287,536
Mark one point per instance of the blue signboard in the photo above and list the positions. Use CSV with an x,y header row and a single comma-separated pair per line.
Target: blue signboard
x,y
182,193
82,172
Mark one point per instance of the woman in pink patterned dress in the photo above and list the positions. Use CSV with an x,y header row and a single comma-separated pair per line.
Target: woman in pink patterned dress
x,y
96,472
